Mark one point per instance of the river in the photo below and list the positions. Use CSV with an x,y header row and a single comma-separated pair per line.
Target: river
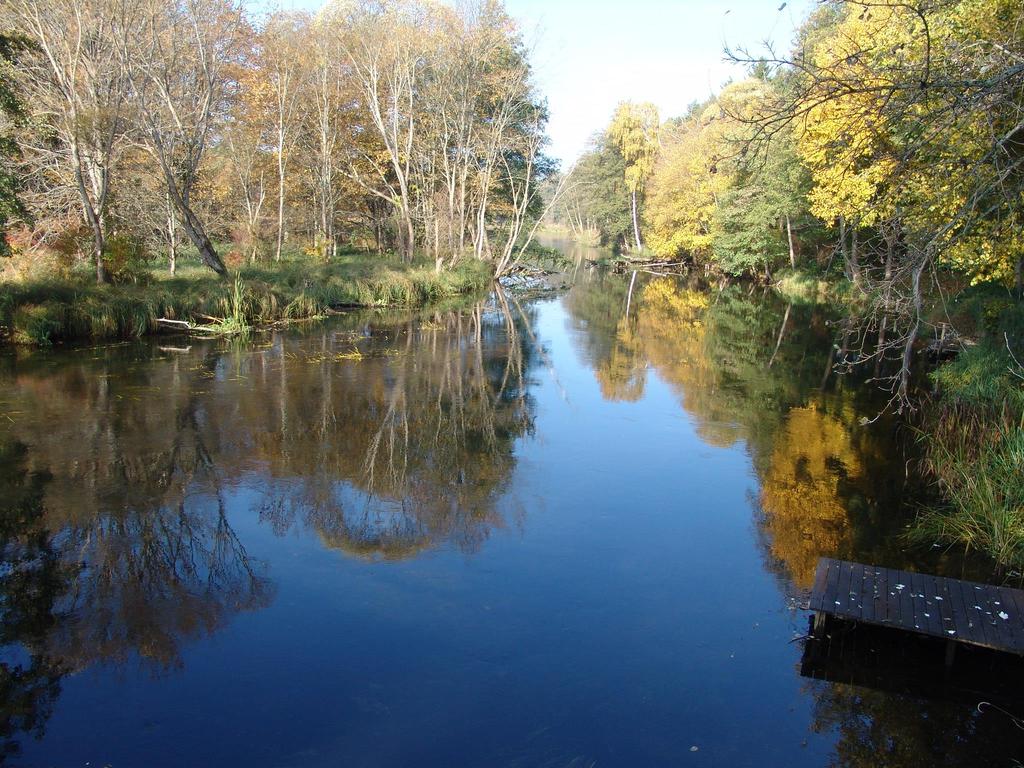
x,y
504,533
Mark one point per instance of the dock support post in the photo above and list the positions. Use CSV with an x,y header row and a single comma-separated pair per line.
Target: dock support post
x,y
819,622
950,653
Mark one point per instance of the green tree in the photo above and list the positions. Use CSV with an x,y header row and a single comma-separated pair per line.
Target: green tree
x,y
757,216
597,198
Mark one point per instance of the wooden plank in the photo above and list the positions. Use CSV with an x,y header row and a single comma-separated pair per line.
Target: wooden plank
x,y
820,580
917,603
973,601
1003,636
882,591
868,595
1010,607
1002,606
842,588
904,588
988,634
895,603
944,598
993,636
830,587
974,593
1016,599
964,621
906,608
855,592
931,605
917,588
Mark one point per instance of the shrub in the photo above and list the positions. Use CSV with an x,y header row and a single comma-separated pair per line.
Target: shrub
x,y
126,259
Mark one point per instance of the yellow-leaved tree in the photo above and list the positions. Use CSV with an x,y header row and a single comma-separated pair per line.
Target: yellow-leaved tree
x,y
681,200
972,192
634,130
909,120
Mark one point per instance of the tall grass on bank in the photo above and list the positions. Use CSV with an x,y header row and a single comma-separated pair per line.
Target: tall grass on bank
x,y
238,320
974,449
44,311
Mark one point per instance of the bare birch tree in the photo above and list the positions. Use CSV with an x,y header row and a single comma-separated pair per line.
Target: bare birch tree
x,y
182,79
281,65
385,45
325,89
76,87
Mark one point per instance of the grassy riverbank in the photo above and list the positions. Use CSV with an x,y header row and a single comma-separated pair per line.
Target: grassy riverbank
x,y
973,438
44,311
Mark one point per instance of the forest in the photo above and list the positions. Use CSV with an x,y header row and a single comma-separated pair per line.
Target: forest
x,y
143,136
890,135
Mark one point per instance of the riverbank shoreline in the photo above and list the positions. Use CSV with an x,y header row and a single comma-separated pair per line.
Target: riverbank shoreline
x,y
42,312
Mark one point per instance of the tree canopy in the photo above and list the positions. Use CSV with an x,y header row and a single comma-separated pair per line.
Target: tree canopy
x,y
402,125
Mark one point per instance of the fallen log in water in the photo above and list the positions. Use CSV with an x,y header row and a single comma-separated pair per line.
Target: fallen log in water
x,y
626,264
948,344
177,323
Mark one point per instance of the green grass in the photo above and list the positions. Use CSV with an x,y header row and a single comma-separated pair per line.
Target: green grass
x,y
983,378
978,462
240,317
46,311
974,445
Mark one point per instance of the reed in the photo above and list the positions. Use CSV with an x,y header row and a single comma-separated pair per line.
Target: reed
x,y
974,450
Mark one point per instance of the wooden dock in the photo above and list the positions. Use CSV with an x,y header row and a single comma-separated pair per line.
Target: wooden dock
x,y
951,609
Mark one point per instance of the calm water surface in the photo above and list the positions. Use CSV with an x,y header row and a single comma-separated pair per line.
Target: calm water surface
x,y
507,534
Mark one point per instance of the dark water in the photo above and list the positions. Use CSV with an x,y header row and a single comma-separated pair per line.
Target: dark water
x,y
510,534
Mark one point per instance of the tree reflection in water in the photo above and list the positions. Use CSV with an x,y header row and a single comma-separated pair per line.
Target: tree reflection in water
x,y
877,729
118,480
751,370
31,581
803,504
126,468
413,448
116,538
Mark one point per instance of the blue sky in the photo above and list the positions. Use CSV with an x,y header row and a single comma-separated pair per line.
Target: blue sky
x,y
591,54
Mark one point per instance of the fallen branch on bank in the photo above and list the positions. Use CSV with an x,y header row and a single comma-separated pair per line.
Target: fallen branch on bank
x,y
215,327
177,323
